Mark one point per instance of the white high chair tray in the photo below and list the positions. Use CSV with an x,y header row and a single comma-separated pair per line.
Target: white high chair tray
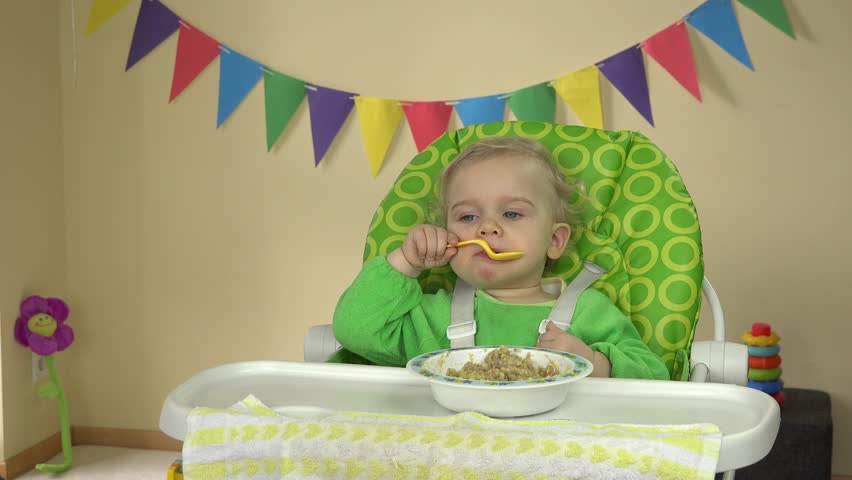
x,y
748,419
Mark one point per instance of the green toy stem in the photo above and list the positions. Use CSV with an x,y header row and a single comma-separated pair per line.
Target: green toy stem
x,y
63,422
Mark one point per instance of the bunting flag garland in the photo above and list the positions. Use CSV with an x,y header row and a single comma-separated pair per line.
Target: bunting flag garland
x,y
379,122
773,12
717,20
581,90
670,48
329,109
486,109
427,120
195,50
626,71
282,95
534,104
237,76
103,10
154,24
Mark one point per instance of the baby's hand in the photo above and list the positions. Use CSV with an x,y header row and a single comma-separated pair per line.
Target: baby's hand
x,y
555,338
424,247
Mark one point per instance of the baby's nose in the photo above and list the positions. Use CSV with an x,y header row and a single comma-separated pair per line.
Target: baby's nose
x,y
489,227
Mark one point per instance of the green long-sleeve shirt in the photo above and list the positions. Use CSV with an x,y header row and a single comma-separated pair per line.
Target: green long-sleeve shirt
x,y
385,318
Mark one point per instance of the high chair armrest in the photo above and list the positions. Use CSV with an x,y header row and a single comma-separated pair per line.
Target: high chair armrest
x,y
719,362
320,343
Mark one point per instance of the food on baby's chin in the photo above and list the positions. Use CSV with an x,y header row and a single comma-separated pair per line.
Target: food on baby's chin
x,y
502,364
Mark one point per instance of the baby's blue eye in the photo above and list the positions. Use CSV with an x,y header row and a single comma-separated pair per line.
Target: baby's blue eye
x,y
512,215
467,218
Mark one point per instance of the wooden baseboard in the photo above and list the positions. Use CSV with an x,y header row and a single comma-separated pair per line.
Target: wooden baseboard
x,y
124,437
107,437
27,459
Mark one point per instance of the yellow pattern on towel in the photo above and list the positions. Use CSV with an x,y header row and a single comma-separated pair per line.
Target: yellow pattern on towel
x,y
252,441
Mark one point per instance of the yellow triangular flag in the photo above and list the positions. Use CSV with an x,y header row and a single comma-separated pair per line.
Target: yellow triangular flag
x,y
581,90
103,10
379,121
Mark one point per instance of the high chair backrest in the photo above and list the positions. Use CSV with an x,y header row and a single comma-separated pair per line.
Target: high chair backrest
x,y
638,221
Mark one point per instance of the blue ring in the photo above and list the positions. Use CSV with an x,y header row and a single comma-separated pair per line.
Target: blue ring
x,y
764,351
767,387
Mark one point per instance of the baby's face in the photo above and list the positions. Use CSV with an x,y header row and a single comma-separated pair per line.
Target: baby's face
x,y
507,202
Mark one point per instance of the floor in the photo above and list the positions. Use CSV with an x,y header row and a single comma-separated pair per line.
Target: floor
x,y
112,463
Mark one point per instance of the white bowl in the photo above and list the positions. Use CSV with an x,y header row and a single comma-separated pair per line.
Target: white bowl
x,y
499,398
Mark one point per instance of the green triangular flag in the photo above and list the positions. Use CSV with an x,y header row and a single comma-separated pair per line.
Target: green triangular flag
x,y
283,95
773,11
534,104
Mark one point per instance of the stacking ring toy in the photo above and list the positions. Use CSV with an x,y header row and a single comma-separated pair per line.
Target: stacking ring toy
x,y
764,351
764,362
766,387
760,340
764,374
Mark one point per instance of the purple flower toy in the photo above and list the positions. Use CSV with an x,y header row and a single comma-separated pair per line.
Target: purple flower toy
x,y
41,327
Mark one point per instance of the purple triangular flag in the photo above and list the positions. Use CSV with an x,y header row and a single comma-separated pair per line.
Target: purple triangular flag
x,y
626,70
329,109
154,24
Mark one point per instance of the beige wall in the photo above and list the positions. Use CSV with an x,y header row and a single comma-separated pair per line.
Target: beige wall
x,y
189,247
32,255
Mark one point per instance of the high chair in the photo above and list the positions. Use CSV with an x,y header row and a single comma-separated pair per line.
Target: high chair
x,y
638,222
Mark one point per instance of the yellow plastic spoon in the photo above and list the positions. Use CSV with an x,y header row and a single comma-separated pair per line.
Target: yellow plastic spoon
x,y
491,253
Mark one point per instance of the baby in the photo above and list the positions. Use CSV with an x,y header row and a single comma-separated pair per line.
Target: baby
x,y
508,192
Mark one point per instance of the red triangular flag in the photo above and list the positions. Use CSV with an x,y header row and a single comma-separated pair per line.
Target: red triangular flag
x,y
670,48
427,121
195,50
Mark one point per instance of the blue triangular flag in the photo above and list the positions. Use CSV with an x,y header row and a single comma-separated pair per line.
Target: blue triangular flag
x,y
237,75
481,110
717,20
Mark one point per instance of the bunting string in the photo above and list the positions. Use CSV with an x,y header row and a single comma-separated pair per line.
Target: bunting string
x,y
427,120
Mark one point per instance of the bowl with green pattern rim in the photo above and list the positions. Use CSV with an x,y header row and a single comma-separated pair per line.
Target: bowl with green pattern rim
x,y
499,398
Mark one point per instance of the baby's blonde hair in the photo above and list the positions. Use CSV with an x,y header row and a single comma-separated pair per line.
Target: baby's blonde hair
x,y
492,147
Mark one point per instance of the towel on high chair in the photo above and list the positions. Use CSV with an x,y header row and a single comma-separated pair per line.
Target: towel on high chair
x,y
250,440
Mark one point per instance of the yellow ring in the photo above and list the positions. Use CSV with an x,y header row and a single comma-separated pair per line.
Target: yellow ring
x,y
560,131
395,226
631,162
655,255
677,267
663,292
519,129
377,218
658,185
383,249
584,162
660,336
630,307
480,130
427,184
669,186
597,159
760,340
646,326
655,222
428,163
669,222
371,248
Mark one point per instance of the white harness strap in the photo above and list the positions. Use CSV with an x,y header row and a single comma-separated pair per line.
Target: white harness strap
x,y
462,327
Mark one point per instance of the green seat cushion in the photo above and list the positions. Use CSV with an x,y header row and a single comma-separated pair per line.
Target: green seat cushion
x,y
637,220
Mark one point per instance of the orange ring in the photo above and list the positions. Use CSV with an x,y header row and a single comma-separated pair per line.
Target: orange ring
x,y
764,362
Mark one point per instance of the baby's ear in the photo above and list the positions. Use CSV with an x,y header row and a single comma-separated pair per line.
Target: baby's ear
x,y
558,240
